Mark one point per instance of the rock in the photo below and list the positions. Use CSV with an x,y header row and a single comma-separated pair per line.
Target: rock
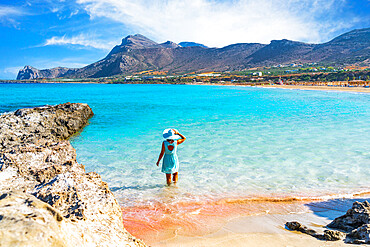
x,y
42,125
355,217
360,235
62,194
27,221
296,226
47,199
329,235
332,235
356,221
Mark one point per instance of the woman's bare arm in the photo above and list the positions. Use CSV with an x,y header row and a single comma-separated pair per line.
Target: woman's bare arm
x,y
183,138
161,154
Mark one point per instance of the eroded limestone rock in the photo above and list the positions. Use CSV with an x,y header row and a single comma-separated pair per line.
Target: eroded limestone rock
x,y
47,199
27,221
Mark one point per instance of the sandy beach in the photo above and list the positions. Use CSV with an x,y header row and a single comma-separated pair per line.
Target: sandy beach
x,y
255,231
269,229
251,224
324,88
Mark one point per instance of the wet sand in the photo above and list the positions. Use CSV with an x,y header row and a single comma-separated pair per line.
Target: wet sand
x,y
243,223
268,229
325,88
257,231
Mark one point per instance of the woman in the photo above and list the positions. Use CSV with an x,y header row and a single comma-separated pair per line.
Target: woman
x,y
170,163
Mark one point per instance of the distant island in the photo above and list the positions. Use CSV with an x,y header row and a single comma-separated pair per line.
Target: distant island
x,y
138,55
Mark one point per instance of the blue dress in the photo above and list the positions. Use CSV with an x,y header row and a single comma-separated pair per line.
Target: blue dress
x,y
170,161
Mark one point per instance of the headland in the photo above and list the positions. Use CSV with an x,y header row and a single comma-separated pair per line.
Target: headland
x,y
47,198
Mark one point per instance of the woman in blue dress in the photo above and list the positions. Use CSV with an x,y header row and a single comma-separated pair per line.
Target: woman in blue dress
x,y
170,165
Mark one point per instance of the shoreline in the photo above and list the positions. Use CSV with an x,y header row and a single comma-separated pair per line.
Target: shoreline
x,y
261,230
226,222
320,88
296,87
225,235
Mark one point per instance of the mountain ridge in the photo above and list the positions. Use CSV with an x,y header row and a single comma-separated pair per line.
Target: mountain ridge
x,y
137,53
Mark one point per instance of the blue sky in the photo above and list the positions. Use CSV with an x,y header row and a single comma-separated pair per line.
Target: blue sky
x,y
74,33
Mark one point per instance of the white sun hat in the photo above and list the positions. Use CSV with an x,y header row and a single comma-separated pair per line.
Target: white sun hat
x,y
170,134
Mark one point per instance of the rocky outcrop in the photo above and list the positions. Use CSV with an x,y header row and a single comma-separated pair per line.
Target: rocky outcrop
x,y
29,73
356,222
355,217
46,197
354,226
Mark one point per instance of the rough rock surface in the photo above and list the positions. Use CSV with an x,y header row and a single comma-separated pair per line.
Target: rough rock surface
x,y
328,235
360,235
46,198
354,226
355,217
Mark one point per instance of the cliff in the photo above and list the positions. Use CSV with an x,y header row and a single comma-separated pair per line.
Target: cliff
x,y
29,73
46,197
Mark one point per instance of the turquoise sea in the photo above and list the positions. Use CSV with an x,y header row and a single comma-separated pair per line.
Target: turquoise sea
x,y
241,141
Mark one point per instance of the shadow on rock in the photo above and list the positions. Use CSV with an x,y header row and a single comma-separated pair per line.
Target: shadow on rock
x,y
353,226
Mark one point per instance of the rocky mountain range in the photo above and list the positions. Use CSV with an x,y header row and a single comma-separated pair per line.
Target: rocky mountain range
x,y
137,53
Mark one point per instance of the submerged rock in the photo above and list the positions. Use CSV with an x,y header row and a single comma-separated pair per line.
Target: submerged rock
x,y
46,198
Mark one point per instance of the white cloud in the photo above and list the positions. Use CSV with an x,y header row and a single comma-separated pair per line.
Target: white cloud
x,y
8,11
8,15
75,12
219,23
80,40
11,71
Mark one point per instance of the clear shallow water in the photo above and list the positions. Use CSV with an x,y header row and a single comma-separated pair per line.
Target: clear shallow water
x,y
241,142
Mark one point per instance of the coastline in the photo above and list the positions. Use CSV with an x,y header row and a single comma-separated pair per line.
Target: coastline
x,y
296,87
264,230
321,88
224,235
237,223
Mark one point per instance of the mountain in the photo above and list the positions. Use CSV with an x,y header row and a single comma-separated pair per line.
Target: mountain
x,y
169,44
29,72
349,48
281,51
137,53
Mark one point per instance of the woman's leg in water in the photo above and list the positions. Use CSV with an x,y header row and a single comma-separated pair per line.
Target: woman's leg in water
x,y
175,177
168,178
